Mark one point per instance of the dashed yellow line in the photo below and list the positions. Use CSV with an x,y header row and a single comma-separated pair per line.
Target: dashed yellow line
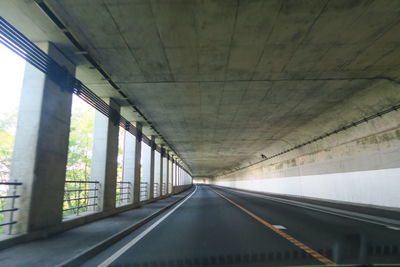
x,y
291,239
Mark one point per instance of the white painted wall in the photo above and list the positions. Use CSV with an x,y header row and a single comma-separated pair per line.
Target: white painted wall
x,y
360,165
376,187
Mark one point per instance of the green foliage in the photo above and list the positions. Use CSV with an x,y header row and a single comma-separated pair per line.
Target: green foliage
x,y
79,158
7,132
120,166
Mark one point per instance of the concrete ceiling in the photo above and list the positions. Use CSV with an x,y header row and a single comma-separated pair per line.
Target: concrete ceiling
x,y
225,80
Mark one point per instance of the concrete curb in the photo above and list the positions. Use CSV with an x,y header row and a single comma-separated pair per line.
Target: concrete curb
x,y
92,251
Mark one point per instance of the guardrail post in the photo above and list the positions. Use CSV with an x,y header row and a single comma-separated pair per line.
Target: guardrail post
x,y
104,159
41,146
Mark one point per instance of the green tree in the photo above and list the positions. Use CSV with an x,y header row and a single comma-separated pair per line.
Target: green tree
x,y
7,132
79,158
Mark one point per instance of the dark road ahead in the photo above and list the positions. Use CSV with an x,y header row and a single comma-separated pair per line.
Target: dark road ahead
x,y
222,227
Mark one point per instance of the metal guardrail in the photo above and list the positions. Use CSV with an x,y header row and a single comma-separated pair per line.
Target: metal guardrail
x,y
123,194
144,191
7,204
79,196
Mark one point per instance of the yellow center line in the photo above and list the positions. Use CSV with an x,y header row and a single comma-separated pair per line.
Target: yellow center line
x,y
291,239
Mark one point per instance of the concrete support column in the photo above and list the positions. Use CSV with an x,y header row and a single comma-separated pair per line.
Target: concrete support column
x,y
152,155
176,173
138,156
41,146
179,175
168,173
104,159
129,162
161,170
172,175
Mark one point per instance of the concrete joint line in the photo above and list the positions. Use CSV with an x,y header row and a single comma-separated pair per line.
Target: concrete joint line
x,y
92,251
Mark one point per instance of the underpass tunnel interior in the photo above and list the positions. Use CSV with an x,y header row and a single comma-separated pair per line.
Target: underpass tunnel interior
x,y
148,132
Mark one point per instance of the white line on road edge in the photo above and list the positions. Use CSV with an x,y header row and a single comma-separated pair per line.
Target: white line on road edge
x,y
306,206
122,250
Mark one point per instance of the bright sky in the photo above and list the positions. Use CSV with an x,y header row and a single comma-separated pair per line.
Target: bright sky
x,y
11,76
12,69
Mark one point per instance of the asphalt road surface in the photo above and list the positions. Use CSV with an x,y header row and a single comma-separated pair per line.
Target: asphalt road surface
x,y
222,227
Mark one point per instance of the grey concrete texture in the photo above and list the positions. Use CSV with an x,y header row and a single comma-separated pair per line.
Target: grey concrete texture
x,y
224,81
237,77
138,155
371,146
152,162
41,146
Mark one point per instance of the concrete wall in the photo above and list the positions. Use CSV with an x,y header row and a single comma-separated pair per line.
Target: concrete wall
x,y
181,188
360,165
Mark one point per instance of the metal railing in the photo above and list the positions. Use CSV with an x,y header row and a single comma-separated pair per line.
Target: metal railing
x,y
144,192
80,196
156,190
164,189
123,194
8,197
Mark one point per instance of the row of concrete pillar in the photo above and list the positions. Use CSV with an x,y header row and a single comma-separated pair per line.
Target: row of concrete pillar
x,y
139,164
41,152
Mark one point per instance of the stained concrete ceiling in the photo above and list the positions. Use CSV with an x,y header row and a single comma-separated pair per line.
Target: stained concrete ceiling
x,y
225,80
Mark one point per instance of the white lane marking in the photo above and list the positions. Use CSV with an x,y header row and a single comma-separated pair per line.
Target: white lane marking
x,y
280,227
122,250
393,228
303,205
